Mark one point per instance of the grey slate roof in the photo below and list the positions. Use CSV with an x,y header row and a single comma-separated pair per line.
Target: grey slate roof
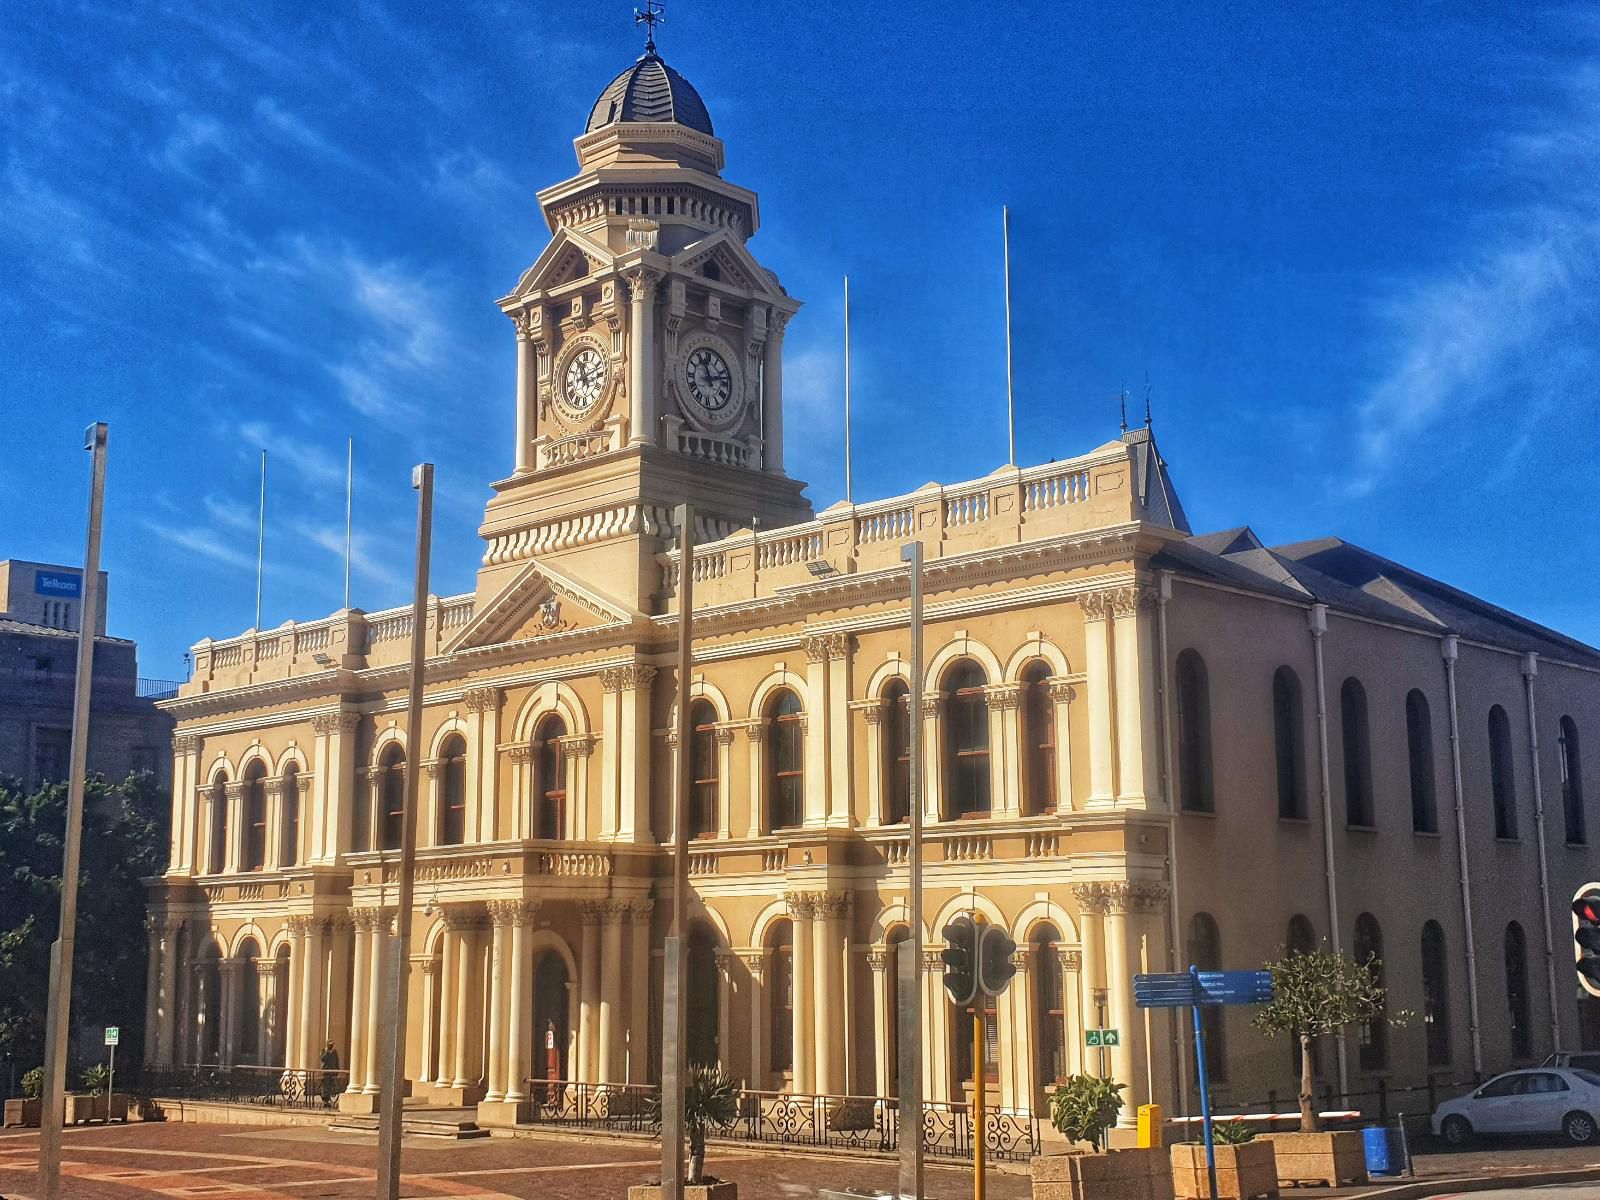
x,y
1154,485
12,625
650,91
1348,578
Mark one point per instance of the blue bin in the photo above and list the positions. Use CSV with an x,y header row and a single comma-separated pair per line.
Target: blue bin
x,y
1384,1156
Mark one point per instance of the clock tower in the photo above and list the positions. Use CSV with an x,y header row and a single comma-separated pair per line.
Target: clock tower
x,y
649,347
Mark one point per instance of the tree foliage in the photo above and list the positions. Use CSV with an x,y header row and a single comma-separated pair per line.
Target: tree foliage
x,y
124,840
1315,993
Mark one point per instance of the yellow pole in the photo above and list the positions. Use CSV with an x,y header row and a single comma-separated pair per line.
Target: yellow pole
x,y
978,1081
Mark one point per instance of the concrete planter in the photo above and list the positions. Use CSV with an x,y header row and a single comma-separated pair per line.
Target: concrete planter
x,y
1244,1172
1134,1174
26,1112
1330,1158
720,1189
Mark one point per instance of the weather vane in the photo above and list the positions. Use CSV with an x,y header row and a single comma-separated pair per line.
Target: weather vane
x,y
649,16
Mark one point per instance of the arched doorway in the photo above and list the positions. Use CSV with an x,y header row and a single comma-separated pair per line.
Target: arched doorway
x,y
550,1018
247,1026
705,986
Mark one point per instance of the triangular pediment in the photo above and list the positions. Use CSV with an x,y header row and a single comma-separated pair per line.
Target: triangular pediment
x,y
540,601
736,266
569,256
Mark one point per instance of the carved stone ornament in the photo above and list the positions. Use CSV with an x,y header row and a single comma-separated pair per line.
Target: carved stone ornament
x,y
1093,897
326,724
724,735
185,743
482,699
1061,691
802,905
550,612
756,732
1136,897
838,645
1096,605
878,959
831,904
1126,601
932,702
430,966
1003,696
1071,960
755,962
816,647
873,713
577,745
641,909
634,677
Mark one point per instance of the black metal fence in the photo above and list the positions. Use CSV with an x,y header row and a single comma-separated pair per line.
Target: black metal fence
x,y
273,1087
870,1123
1379,1103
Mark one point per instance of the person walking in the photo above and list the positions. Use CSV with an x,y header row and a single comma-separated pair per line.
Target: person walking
x,y
330,1071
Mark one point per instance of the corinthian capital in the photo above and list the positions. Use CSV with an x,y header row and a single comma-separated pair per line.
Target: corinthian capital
x,y
1093,897
482,699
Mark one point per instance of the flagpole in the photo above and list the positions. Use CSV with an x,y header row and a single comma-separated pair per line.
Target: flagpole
x,y
847,488
261,536
349,493
1011,407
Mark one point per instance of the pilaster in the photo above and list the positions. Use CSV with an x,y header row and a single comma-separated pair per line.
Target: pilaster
x,y
1099,685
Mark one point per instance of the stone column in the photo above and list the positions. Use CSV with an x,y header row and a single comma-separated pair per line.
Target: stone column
x,y
883,1070
360,985
204,1010
612,914
935,1027
819,768
1062,694
152,988
1005,745
1135,709
723,736
181,855
725,1010
772,398
526,400
1097,663
932,757
313,1016
333,787
627,749
483,735
464,928
755,962
166,938
1128,1057
588,1066
233,854
1072,1011
267,1012
376,945
841,756
295,1013
872,713
271,855
576,750
756,735
338,932
501,915
803,909
231,973
638,1048
519,1044
641,357
1017,1085
1093,901
831,1010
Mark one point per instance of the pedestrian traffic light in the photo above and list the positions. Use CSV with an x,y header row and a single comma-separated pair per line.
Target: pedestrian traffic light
x,y
961,960
1586,936
995,967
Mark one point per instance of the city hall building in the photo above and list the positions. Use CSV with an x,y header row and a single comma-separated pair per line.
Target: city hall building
x,y
1140,746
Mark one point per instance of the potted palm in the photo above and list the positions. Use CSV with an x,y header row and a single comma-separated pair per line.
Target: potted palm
x,y
710,1101
1315,993
1246,1165
26,1110
1084,1108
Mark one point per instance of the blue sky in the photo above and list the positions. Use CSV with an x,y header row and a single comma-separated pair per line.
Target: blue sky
x,y
1356,248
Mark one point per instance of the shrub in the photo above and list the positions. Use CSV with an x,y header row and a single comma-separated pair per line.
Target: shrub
x,y
33,1083
95,1079
1084,1107
1231,1133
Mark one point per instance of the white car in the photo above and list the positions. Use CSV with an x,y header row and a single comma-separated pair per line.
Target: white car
x,y
1564,1100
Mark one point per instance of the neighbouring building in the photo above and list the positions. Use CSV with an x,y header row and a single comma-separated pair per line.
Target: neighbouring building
x,y
40,615
1141,745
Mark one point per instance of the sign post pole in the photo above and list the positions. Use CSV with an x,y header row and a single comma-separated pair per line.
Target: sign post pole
x,y
978,1072
1205,1085
113,1036
909,1068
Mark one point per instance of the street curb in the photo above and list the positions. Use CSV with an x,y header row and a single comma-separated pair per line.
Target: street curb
x,y
1478,1183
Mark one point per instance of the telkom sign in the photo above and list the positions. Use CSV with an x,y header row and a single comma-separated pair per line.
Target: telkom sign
x,y
62,585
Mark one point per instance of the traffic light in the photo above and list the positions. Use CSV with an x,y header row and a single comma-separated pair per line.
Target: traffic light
x,y
961,960
995,967
1586,936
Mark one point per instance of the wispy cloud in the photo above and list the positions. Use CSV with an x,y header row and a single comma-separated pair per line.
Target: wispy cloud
x,y
1510,318
204,541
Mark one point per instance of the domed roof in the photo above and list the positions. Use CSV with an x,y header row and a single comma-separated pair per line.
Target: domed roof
x,y
650,90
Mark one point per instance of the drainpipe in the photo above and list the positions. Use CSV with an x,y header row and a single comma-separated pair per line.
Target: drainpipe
x,y
1180,1064
1530,668
1450,648
1317,622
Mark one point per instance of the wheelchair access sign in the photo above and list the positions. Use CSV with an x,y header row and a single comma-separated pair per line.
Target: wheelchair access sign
x,y
1102,1037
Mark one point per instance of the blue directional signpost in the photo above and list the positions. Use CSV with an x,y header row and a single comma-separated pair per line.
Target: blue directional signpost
x,y
1196,989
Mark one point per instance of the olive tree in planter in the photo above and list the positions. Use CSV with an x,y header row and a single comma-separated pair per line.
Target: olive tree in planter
x,y
710,1100
1315,993
26,1111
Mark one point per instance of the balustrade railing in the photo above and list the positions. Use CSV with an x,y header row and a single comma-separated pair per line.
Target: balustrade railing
x,y
863,1123
273,1087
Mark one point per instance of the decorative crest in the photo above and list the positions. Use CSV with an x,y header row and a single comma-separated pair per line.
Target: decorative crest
x,y
650,16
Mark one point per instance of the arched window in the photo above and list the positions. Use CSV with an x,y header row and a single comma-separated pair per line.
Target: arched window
x,y
361,818
1194,734
550,779
255,817
780,947
1502,775
896,752
1039,740
1205,952
1435,995
1301,939
247,1029
786,761
1374,1034
1288,738
1419,751
289,838
391,796
1358,809
219,824
452,768
702,770
1571,781
1517,1001
1049,1005
966,739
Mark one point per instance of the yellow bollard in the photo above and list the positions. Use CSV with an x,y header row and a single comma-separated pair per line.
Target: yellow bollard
x,y
1150,1125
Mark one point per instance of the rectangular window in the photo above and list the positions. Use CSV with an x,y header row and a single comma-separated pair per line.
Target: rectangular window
x,y
52,755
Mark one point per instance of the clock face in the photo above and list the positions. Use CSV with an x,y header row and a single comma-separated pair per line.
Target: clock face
x,y
586,376
710,382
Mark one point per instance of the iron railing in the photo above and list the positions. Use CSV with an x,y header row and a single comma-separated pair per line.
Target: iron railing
x,y
156,689
1378,1103
864,1123
275,1087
